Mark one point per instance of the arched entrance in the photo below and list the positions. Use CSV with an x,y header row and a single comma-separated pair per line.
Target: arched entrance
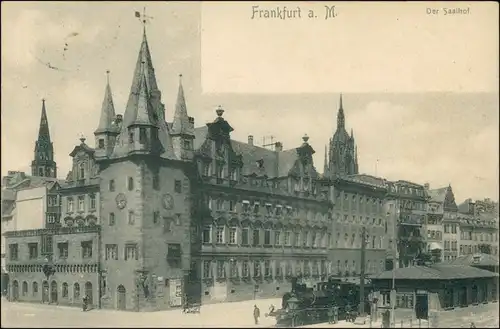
x,y
53,292
121,298
88,293
45,292
15,290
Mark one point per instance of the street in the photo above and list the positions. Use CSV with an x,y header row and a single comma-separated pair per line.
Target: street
x,y
223,315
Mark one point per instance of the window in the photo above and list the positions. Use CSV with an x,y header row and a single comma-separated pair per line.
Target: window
x,y
47,244
111,251
277,235
101,143
232,235
256,236
76,291
131,137
454,229
81,203
156,180
111,185
92,201
51,218
446,228
221,271
256,208
81,171
33,250
62,247
143,137
267,237
245,271
131,251
111,219
25,288
70,205
13,251
156,217
297,239
35,289
178,186
64,290
130,183
244,236
220,235
231,205
256,269
207,269
267,268
404,300
207,234
286,239
233,269
187,145
52,200
87,249
131,217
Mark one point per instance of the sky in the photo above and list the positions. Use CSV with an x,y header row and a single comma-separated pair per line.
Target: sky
x,y
438,138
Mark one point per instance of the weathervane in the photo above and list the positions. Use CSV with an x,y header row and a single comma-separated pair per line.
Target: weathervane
x,y
143,17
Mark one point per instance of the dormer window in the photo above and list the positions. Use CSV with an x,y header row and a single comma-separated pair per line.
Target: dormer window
x,y
143,136
131,137
101,143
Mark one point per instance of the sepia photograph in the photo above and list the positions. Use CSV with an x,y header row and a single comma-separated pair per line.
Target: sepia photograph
x,y
249,164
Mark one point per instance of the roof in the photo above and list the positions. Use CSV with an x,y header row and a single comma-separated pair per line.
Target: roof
x,y
275,163
8,194
435,272
368,180
7,208
438,195
476,260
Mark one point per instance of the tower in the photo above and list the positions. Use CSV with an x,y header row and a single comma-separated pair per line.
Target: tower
x,y
43,163
342,154
108,129
182,127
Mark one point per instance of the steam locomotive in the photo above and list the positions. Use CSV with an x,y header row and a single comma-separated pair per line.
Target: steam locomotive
x,y
312,305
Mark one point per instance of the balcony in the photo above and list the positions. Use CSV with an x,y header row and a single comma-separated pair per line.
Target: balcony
x,y
411,219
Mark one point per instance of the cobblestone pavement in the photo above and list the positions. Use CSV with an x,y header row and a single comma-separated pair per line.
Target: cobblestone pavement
x,y
238,314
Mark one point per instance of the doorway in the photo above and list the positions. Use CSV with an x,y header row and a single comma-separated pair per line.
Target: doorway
x,y
15,291
121,298
45,292
88,293
53,292
463,297
422,306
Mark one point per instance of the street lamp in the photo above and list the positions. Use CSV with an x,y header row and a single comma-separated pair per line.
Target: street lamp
x,y
293,304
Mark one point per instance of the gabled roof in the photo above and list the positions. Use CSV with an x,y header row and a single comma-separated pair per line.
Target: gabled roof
x,y
107,112
82,147
438,195
435,272
368,180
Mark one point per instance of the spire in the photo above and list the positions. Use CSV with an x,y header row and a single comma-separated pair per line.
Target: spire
x,y
107,110
340,115
181,123
142,111
43,131
352,134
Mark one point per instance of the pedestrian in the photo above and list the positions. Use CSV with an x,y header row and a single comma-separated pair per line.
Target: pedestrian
x,y
330,315
472,325
335,314
256,314
84,303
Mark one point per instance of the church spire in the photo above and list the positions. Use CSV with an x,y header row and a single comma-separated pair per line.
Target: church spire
x,y
340,115
142,112
325,165
107,110
43,163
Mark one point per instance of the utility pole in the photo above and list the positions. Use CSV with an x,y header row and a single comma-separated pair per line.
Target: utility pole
x,y
362,274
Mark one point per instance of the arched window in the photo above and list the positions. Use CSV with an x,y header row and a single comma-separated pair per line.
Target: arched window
x,y
64,290
35,289
76,291
25,288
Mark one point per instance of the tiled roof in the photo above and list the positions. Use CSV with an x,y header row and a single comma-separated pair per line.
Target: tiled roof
x,y
438,195
275,163
435,272
476,259
368,180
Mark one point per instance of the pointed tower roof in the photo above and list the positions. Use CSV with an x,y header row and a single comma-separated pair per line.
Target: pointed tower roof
x,y
340,115
140,107
181,124
325,165
43,131
107,111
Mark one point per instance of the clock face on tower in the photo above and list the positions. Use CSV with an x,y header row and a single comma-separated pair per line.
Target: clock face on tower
x,y
121,201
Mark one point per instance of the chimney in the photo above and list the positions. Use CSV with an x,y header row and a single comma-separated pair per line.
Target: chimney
x,y
427,186
250,140
278,146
